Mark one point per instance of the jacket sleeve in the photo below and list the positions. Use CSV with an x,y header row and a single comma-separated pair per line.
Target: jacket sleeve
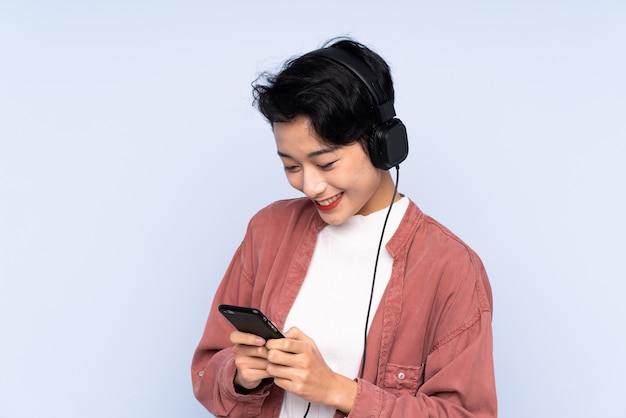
x,y
455,376
213,365
246,282
460,383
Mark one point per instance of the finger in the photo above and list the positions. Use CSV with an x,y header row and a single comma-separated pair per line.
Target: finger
x,y
250,363
238,337
295,342
295,333
242,350
284,355
296,381
250,378
281,371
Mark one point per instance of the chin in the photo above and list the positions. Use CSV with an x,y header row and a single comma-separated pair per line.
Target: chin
x,y
332,219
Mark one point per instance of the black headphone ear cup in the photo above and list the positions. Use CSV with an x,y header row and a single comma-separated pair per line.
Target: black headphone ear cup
x,y
388,144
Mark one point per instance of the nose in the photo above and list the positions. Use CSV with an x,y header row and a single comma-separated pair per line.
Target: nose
x,y
313,184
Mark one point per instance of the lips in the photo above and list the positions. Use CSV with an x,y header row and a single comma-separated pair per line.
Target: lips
x,y
329,204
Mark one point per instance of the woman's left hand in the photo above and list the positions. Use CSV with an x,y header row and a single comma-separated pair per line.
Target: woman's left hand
x,y
297,366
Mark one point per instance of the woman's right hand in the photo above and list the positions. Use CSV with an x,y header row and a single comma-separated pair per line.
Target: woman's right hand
x,y
250,359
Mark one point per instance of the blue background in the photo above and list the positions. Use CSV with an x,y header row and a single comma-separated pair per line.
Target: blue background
x,y
131,160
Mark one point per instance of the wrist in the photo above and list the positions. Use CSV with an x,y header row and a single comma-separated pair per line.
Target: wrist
x,y
344,396
242,388
246,390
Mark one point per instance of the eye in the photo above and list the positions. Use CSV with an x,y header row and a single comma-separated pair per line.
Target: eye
x,y
328,166
291,168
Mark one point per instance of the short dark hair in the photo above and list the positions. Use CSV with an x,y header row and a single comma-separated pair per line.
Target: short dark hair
x,y
338,104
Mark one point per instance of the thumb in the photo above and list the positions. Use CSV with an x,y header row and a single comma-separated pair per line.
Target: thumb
x,y
295,333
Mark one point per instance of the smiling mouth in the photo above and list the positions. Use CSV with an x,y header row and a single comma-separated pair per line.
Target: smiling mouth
x,y
329,204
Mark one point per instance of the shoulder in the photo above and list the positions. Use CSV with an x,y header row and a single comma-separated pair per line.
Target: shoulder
x,y
288,214
433,235
276,231
286,206
451,262
285,209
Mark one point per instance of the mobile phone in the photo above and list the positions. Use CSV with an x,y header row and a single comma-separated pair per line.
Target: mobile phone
x,y
250,320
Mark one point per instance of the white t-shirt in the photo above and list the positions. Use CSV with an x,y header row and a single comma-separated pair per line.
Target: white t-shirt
x,y
332,304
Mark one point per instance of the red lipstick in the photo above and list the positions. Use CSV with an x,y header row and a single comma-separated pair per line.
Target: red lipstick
x,y
331,206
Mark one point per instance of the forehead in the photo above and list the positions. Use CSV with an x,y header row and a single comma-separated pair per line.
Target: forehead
x,y
298,136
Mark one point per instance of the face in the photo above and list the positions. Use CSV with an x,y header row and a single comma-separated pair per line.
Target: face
x,y
340,180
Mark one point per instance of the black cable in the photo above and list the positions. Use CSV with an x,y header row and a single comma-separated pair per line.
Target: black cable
x,y
380,244
307,410
369,307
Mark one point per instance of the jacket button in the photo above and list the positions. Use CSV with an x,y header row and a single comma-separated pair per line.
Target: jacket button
x,y
401,376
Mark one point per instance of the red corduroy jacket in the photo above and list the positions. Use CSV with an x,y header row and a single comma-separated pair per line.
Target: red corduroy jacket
x,y
429,350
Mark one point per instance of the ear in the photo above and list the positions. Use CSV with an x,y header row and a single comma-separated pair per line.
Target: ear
x,y
388,144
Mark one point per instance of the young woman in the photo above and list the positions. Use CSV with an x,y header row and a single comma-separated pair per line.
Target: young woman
x,y
385,312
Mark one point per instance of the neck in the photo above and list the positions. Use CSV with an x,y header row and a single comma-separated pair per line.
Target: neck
x,y
382,196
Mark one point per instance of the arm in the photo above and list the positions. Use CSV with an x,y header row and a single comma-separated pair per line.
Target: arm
x,y
458,382
439,338
213,366
274,247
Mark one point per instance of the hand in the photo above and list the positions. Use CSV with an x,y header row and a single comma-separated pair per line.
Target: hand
x,y
250,359
297,366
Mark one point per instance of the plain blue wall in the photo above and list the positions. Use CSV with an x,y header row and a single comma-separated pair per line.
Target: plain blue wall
x,y
131,160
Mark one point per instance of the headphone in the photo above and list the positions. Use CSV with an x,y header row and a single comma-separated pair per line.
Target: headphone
x,y
388,143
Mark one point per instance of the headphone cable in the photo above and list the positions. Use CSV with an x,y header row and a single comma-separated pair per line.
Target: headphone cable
x,y
369,307
380,244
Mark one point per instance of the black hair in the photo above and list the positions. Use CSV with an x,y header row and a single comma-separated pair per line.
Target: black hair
x,y
336,101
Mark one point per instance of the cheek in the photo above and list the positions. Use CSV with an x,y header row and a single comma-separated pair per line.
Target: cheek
x,y
368,182
367,174
295,180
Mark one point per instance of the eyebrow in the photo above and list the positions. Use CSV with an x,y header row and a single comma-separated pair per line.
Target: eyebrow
x,y
311,154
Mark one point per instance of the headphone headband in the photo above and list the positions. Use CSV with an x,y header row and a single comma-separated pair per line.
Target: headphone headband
x,y
388,144
384,109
